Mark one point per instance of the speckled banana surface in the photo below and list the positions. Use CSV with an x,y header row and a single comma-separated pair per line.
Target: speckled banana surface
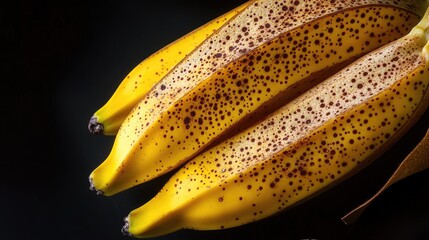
x,y
317,140
145,75
263,57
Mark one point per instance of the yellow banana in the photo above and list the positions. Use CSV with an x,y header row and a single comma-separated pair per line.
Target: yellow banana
x,y
317,140
263,57
145,75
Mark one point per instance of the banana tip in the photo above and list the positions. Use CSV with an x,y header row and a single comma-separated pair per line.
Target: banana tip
x,y
92,187
95,127
125,228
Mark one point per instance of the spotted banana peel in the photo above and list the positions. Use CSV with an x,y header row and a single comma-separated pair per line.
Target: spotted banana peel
x,y
146,74
317,140
263,57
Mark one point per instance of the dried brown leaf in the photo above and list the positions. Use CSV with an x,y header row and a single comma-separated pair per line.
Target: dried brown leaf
x,y
415,162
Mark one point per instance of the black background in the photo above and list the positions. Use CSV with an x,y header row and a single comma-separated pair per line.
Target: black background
x,y
61,60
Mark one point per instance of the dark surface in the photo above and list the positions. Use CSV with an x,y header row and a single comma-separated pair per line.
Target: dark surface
x,y
61,60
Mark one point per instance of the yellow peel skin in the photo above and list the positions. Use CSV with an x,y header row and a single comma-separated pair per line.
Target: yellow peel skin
x,y
145,75
317,140
266,54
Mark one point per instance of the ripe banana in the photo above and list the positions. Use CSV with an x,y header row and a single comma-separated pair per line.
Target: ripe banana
x,y
145,75
317,140
265,56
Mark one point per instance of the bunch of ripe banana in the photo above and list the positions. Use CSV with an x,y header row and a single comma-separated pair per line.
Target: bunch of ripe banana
x,y
266,106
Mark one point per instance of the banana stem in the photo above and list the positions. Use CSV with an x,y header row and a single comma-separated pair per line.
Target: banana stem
x,y
95,127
